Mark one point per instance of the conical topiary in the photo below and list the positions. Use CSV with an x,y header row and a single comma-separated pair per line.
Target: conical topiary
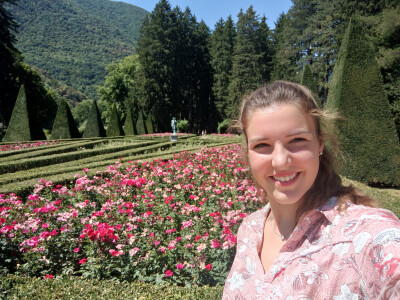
x,y
114,126
367,133
64,126
23,125
307,80
94,125
129,126
141,123
149,123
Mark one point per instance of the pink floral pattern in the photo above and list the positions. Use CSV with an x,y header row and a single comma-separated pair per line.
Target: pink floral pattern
x,y
330,255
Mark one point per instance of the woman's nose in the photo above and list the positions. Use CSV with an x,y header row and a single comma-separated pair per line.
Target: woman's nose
x,y
280,157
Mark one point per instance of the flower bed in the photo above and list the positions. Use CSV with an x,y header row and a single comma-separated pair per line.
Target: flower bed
x,y
166,220
26,145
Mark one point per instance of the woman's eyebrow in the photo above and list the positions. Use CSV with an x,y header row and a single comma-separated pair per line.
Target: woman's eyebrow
x,y
293,133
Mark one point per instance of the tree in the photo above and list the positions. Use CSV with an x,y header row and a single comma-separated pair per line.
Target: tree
x,y
14,73
120,82
94,125
24,125
8,56
221,52
367,135
156,56
388,32
64,126
114,127
307,79
247,69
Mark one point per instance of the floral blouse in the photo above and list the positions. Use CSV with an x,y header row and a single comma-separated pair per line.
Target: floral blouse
x,y
330,255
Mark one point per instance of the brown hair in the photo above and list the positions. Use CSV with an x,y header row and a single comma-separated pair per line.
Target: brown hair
x,y
328,182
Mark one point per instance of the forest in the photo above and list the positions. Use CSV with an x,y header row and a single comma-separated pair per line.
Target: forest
x,y
184,69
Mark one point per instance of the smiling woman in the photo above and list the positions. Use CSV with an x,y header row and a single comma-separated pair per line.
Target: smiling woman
x,y
315,238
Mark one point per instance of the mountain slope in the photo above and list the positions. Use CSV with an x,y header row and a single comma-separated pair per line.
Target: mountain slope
x,y
73,40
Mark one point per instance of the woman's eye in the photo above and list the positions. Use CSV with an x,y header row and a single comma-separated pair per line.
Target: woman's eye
x,y
261,145
298,139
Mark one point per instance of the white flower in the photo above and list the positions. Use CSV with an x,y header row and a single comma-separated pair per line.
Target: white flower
x,y
346,294
360,240
250,266
341,249
236,281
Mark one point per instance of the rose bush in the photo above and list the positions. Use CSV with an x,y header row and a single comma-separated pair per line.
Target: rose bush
x,y
166,220
19,146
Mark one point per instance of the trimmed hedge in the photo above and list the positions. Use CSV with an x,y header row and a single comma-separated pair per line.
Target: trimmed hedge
x,y
64,124
367,134
141,123
129,126
14,287
59,158
94,125
62,148
114,126
23,125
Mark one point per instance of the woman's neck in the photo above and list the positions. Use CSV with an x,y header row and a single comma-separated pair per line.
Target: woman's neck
x,y
283,218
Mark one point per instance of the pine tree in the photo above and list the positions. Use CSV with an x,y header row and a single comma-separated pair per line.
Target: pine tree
x,y
114,126
307,79
221,51
129,125
264,47
156,49
367,134
23,125
247,64
64,126
94,125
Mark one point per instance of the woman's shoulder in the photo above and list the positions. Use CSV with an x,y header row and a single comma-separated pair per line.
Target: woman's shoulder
x,y
374,220
257,216
254,222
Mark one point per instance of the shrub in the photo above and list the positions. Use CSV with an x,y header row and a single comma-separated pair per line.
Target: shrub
x,y
23,125
141,123
64,124
182,125
148,221
224,126
129,126
114,126
94,125
367,134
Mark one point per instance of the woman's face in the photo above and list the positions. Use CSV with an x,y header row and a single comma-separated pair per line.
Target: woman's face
x,y
283,150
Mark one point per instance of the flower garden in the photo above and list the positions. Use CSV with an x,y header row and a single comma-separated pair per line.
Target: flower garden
x,y
166,220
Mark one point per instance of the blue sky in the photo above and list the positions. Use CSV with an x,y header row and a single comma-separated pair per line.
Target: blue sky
x,y
212,10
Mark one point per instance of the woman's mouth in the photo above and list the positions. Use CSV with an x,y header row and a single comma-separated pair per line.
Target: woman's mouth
x,y
286,179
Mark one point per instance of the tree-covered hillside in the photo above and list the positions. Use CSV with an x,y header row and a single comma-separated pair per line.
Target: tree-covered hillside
x,y
73,40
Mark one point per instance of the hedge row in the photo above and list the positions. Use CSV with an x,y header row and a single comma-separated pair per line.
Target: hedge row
x,y
14,287
61,148
23,183
30,163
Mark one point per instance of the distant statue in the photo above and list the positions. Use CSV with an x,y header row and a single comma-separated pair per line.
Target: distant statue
x,y
173,125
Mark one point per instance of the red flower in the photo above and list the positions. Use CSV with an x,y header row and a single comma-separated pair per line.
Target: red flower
x,y
48,276
82,261
169,273
209,267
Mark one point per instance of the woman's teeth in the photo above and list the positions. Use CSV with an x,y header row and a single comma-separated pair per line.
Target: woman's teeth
x,y
286,178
